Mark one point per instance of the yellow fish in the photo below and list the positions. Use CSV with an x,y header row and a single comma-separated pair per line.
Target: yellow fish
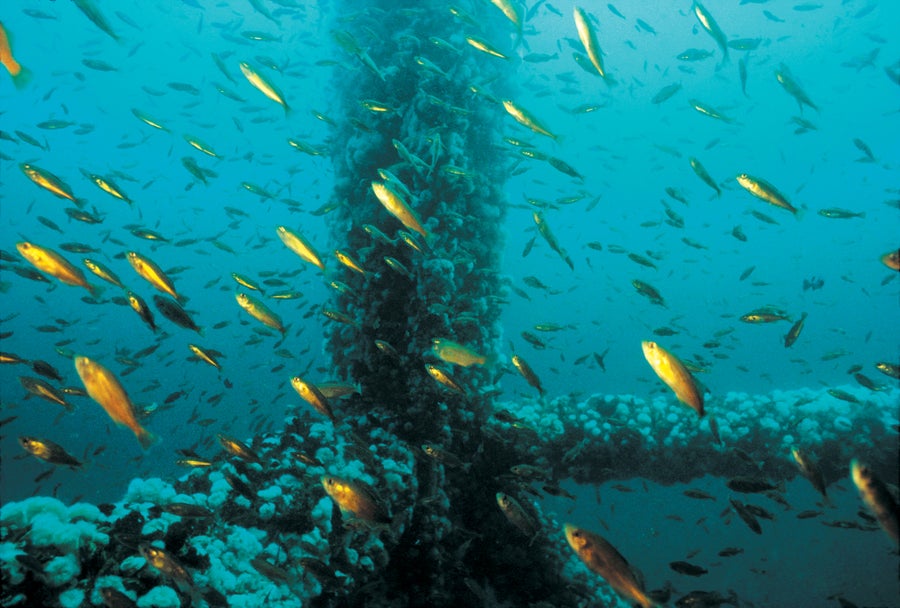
x,y
48,451
152,273
878,498
601,557
512,10
356,498
238,448
483,46
103,272
165,563
260,311
204,355
443,377
47,260
527,373
398,207
19,73
264,86
451,352
673,372
525,119
312,395
48,181
589,39
108,186
105,389
300,246
765,191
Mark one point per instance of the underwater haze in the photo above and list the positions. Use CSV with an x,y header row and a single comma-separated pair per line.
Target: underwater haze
x,y
373,303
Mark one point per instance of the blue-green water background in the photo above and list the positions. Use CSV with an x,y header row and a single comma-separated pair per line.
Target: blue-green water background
x,y
629,151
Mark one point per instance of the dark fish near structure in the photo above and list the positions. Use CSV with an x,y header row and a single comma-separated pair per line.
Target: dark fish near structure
x,y
173,311
843,396
750,485
758,511
688,568
516,514
443,456
746,516
810,470
165,563
705,599
238,448
808,514
698,494
356,498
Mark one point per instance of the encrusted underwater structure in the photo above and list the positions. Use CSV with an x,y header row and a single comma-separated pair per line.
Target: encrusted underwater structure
x,y
251,533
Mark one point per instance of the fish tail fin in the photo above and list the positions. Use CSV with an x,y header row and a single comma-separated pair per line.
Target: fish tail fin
x,y
146,438
23,78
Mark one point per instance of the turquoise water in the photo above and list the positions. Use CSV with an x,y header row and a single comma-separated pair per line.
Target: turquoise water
x,y
161,63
